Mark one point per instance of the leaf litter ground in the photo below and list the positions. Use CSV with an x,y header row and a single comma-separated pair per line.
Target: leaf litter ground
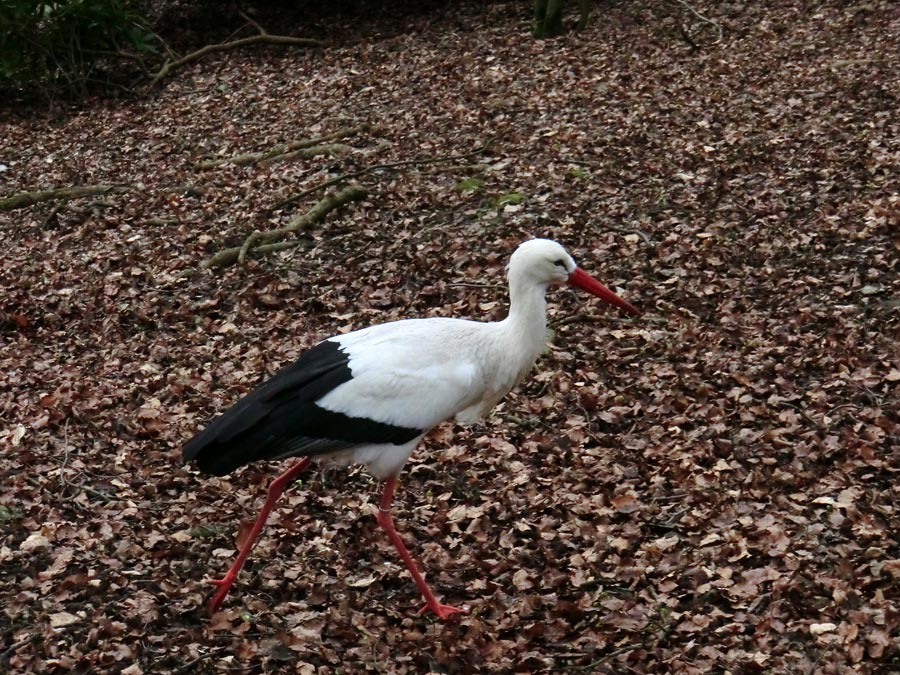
x,y
711,487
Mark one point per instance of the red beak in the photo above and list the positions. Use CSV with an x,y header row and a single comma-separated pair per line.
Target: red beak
x,y
581,279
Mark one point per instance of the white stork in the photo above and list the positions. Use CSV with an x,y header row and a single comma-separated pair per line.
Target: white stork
x,y
371,395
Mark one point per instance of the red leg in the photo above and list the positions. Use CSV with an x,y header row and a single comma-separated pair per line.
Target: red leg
x,y
275,489
386,522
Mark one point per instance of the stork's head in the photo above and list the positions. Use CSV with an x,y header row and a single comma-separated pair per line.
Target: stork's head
x,y
544,262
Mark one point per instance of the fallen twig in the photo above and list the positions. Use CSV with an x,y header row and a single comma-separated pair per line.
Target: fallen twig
x,y
9,651
279,246
189,666
670,522
702,18
582,317
312,146
286,151
378,167
248,242
262,38
253,22
307,153
642,235
579,162
687,37
473,284
802,413
22,200
54,212
270,240
606,657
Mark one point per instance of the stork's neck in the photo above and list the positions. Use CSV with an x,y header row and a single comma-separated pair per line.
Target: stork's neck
x,y
507,349
525,329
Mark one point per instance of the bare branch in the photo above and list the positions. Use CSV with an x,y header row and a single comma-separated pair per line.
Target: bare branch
x,y
169,66
379,167
248,242
289,150
702,18
271,239
252,22
22,200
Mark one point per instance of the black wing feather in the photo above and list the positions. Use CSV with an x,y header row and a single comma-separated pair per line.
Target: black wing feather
x,y
281,419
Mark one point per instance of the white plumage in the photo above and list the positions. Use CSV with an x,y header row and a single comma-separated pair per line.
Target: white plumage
x,y
419,372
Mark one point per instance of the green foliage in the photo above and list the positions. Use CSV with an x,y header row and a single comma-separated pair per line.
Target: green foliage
x,y
510,198
11,512
52,46
470,185
205,531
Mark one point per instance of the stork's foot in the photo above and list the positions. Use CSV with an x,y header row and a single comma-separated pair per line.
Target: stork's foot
x,y
224,585
443,612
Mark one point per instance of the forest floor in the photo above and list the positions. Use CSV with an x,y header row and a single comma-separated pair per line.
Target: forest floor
x,y
711,487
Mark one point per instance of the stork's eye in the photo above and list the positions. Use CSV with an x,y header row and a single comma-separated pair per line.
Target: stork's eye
x,y
560,263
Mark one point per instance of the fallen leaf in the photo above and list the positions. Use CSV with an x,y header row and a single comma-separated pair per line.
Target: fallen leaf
x,y
63,619
820,628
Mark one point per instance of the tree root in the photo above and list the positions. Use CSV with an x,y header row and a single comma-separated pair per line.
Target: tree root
x,y
25,199
307,147
265,242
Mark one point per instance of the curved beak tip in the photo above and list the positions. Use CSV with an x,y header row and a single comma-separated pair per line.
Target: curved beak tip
x,y
581,279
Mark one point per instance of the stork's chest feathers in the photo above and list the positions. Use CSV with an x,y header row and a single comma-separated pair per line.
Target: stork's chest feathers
x,y
505,358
